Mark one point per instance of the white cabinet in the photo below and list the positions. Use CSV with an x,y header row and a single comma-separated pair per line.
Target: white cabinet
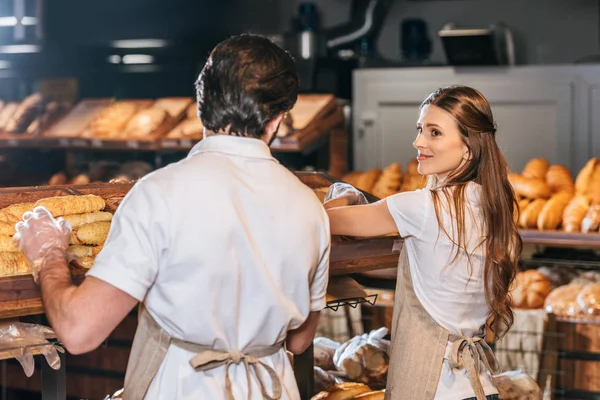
x,y
540,111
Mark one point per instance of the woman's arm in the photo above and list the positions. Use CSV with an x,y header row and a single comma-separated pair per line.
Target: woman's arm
x,y
365,220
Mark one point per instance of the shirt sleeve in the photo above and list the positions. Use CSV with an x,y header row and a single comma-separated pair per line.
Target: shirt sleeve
x,y
136,242
410,211
318,286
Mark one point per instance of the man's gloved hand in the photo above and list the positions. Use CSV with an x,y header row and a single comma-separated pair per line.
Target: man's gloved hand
x,y
42,237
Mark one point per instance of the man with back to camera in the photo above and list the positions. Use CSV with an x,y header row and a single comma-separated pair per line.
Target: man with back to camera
x,y
227,250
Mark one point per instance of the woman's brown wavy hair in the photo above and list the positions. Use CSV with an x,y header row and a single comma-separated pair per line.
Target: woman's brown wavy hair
x,y
487,167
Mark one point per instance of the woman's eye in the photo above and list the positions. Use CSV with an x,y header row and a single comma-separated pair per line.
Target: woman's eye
x,y
435,133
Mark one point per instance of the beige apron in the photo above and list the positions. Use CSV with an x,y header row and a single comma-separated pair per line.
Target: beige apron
x,y
150,346
419,345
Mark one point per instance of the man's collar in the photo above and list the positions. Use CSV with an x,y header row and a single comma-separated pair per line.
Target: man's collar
x,y
233,145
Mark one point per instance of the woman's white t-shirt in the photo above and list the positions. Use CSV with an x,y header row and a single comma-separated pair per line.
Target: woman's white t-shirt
x,y
452,292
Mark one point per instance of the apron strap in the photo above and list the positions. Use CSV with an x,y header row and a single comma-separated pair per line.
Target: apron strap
x,y
469,353
207,359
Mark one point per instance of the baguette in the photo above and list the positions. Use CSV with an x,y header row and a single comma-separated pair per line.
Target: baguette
x,y
551,215
19,209
80,251
78,220
7,229
8,244
8,218
67,205
367,180
94,233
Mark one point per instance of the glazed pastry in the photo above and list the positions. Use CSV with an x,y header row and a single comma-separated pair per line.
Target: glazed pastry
x,y
536,169
551,215
574,213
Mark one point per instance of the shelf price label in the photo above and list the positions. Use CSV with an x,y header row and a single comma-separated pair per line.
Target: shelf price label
x,y
169,144
80,143
63,142
187,143
133,144
97,143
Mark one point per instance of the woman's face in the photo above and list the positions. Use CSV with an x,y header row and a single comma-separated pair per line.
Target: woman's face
x,y
439,143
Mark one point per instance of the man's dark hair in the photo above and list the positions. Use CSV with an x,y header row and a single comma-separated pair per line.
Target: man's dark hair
x,y
246,83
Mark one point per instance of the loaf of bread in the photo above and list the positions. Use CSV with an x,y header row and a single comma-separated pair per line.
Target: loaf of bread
x,y
60,178
81,179
588,299
19,209
6,113
594,188
582,183
111,121
366,181
563,300
591,220
412,168
97,249
389,182
529,216
80,250
375,395
559,179
13,263
189,129
7,229
25,113
536,168
175,106
94,233
551,214
74,240
8,218
413,182
68,205
529,290
78,220
530,188
574,213
8,244
342,391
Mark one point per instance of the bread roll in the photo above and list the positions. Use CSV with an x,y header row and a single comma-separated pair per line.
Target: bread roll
x,y
94,233
588,299
529,216
375,395
413,182
574,213
582,183
81,179
67,205
58,179
529,187
591,220
78,220
367,180
536,168
342,391
529,290
559,179
8,218
563,300
551,215
13,263
7,229
19,209
80,250
74,240
8,244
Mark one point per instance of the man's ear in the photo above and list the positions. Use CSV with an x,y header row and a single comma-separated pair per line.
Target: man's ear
x,y
273,125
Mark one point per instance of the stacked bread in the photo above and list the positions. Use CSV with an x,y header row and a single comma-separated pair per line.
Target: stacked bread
x,y
549,198
84,213
349,391
529,290
386,182
190,128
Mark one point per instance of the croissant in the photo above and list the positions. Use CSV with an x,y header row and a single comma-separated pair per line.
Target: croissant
x,y
574,213
529,216
582,183
536,169
13,263
529,187
368,179
551,215
594,188
559,179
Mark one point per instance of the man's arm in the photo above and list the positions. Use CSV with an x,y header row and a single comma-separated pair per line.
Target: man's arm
x,y
81,316
301,338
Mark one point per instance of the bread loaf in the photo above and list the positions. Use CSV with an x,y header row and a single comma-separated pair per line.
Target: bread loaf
x,y
375,395
529,216
94,233
412,168
529,290
591,220
588,299
8,218
389,182
367,180
536,168
67,205
582,183
342,391
529,187
574,213
594,188
79,250
7,229
58,179
352,178
559,179
13,263
551,214
19,209
562,301
78,220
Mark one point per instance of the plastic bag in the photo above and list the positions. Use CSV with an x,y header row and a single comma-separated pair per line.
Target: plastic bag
x,y
588,299
324,350
117,395
364,358
352,194
563,300
517,385
19,340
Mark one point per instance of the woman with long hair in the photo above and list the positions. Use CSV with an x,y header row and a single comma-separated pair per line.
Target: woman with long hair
x,y
460,252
